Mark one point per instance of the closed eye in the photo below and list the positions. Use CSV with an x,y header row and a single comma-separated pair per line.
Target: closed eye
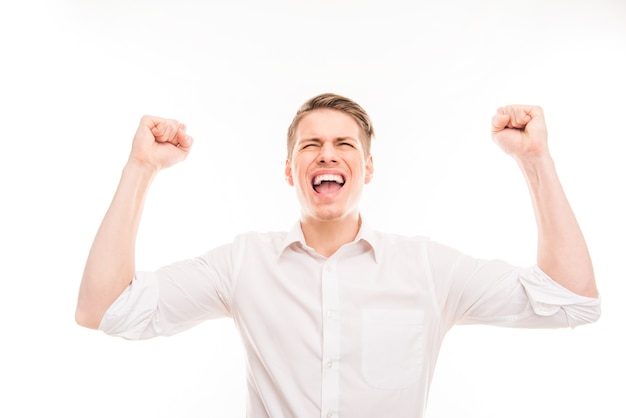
x,y
347,145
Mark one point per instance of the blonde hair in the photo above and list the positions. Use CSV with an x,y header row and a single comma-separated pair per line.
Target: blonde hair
x,y
336,102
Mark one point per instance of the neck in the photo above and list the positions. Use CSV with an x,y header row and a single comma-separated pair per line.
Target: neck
x,y
326,237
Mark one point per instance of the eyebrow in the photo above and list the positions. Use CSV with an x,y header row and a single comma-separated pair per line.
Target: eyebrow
x,y
336,139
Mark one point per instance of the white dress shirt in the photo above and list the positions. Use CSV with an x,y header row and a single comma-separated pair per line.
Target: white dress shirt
x,y
353,335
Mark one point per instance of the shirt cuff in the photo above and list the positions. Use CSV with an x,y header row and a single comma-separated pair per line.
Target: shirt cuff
x,y
129,315
548,297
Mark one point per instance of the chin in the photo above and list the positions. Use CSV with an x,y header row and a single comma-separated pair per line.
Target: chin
x,y
329,217
331,214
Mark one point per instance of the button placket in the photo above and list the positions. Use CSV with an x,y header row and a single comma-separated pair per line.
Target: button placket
x,y
331,339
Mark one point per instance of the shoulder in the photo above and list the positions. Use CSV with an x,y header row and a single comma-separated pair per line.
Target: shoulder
x,y
261,236
388,244
395,239
271,241
400,245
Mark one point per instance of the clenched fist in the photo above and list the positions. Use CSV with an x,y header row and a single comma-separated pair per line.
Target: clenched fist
x,y
520,130
160,142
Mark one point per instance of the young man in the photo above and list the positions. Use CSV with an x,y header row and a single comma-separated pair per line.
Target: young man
x,y
337,319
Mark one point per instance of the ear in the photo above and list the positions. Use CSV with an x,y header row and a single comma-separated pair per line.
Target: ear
x,y
369,169
288,177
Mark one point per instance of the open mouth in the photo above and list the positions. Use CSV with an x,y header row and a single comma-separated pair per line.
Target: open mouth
x,y
327,183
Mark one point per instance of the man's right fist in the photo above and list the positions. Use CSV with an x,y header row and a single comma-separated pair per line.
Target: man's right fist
x,y
160,142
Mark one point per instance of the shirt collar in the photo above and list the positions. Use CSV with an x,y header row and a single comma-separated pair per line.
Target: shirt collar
x,y
370,238
366,235
294,235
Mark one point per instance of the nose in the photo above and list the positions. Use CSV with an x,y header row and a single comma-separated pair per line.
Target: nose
x,y
327,153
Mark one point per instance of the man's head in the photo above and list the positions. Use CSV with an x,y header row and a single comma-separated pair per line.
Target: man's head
x,y
329,157
336,102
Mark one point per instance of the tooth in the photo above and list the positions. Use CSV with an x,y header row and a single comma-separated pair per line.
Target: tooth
x,y
327,177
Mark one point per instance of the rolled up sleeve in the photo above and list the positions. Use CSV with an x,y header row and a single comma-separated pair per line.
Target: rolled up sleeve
x,y
131,313
173,298
547,298
494,292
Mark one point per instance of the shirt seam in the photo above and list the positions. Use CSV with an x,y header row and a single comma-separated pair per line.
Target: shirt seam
x,y
431,278
236,262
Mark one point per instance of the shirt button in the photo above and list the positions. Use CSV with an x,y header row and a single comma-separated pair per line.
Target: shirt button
x,y
330,314
329,415
329,365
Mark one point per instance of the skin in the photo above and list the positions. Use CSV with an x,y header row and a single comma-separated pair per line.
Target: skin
x,y
158,143
520,130
329,141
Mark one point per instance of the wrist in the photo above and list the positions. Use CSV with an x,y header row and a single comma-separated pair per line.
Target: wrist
x,y
142,169
539,170
534,162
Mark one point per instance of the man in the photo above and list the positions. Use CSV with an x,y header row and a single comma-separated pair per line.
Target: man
x,y
337,319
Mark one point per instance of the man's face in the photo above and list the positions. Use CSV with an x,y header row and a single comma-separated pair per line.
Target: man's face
x,y
328,166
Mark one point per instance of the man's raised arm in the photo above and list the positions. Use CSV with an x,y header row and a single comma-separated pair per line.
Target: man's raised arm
x,y
110,267
562,253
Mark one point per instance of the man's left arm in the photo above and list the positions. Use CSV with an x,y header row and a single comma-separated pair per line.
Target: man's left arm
x,y
562,253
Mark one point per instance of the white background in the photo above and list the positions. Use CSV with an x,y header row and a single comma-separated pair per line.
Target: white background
x,y
76,76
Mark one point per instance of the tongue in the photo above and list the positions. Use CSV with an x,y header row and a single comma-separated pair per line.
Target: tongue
x,y
328,187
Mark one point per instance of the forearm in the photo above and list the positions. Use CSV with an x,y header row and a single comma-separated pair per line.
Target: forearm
x,y
561,252
110,266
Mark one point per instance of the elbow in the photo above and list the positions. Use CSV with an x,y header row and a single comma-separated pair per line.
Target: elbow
x,y
587,288
87,318
93,302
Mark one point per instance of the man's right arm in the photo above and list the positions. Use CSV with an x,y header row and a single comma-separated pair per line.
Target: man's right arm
x,y
110,267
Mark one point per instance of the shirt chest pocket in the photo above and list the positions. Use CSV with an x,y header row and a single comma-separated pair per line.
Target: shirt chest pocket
x,y
392,347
